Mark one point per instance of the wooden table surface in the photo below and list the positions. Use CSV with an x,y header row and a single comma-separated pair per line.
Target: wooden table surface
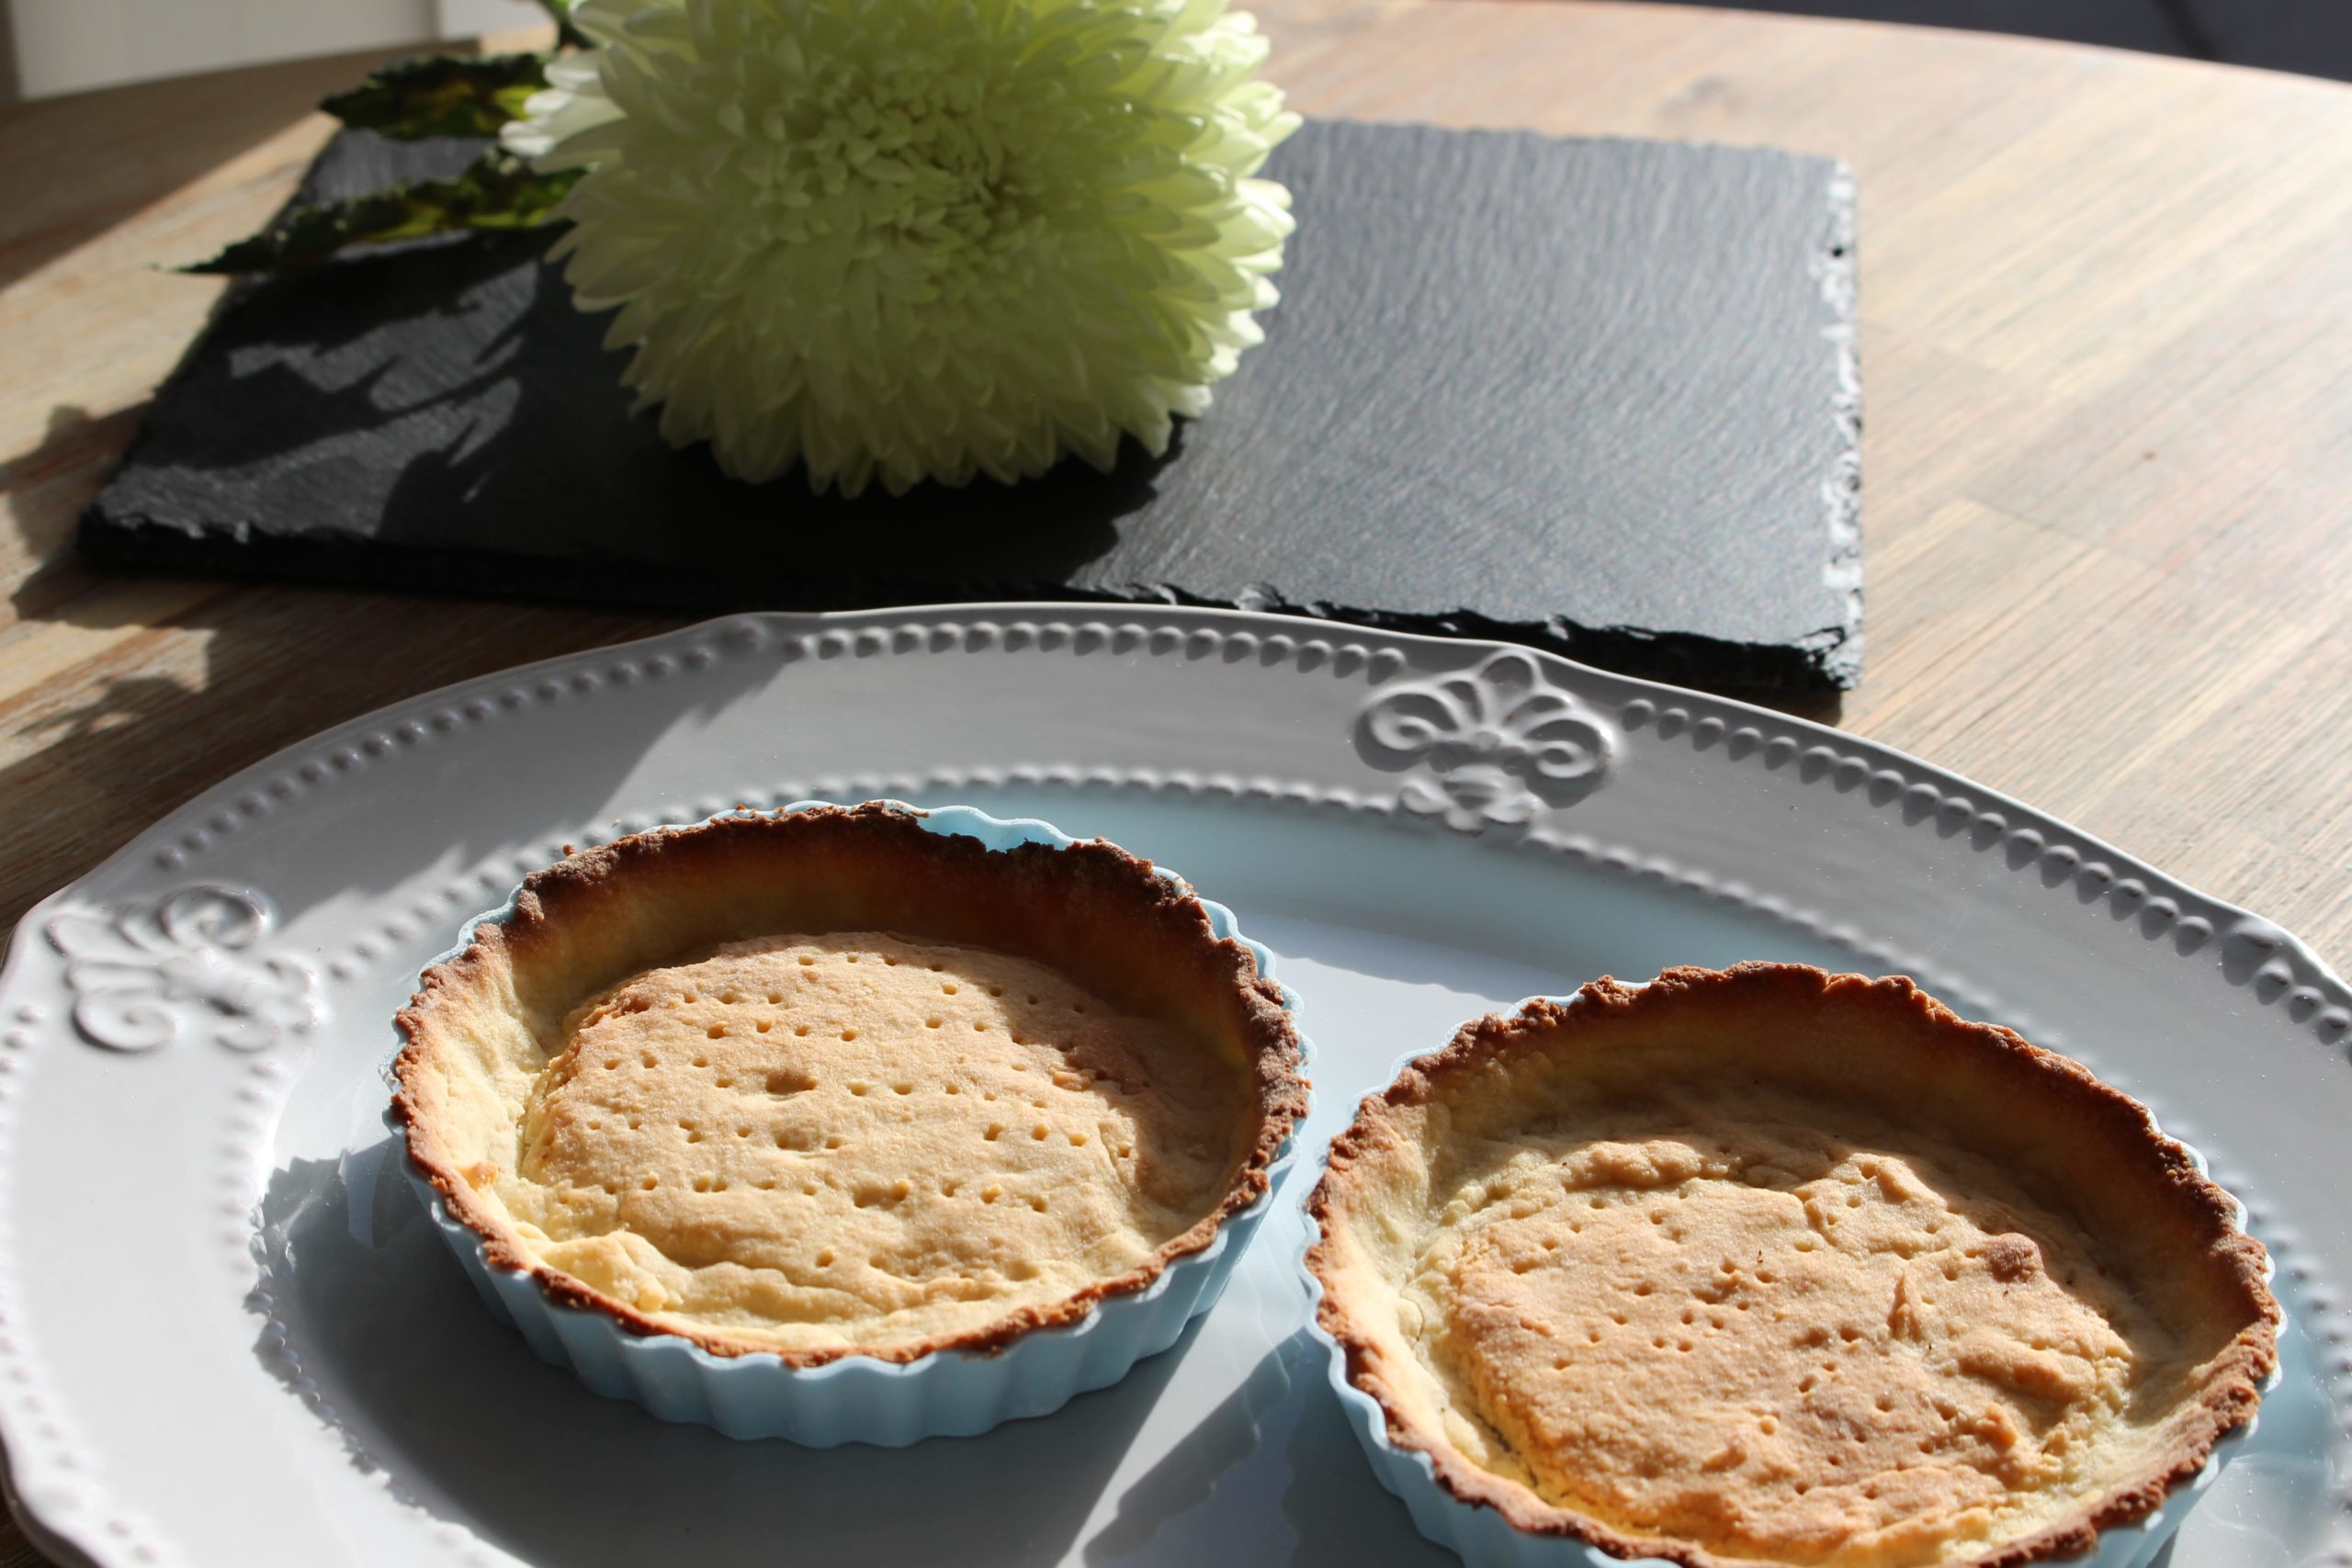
x,y
2107,349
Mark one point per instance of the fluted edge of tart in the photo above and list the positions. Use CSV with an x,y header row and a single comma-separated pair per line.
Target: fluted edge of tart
x,y
885,861
2202,1221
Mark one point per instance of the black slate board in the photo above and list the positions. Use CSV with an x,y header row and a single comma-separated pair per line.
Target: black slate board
x,y
1596,396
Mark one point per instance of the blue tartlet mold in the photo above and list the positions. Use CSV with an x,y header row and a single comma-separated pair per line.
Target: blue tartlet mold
x,y
1482,1538
859,1399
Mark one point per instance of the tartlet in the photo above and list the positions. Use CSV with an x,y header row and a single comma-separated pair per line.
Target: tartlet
x,y
832,1086
1771,1265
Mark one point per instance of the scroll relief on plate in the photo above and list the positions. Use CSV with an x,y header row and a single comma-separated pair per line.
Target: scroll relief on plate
x,y
183,967
1488,747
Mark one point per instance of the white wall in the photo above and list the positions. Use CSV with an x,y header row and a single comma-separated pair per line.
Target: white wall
x,y
464,19
67,46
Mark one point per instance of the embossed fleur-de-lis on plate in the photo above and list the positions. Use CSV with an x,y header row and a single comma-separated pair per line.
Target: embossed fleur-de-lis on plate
x,y
182,966
1488,747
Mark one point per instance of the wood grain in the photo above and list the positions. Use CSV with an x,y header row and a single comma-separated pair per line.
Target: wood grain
x,y
2107,361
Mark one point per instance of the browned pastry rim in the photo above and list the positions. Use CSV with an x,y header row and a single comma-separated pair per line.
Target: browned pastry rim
x,y
2205,1216
878,868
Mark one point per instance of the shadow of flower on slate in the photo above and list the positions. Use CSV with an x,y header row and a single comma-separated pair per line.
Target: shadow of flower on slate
x,y
449,399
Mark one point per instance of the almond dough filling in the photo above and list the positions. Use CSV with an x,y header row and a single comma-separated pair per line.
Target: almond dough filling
x,y
1724,1325
857,1139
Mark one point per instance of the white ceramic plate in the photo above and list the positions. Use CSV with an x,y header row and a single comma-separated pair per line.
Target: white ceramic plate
x,y
229,1336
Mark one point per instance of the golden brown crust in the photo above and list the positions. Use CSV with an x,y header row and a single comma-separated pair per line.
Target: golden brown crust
x,y
872,867
2206,1217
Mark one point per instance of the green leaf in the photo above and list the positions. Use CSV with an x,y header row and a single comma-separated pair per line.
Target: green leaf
x,y
497,191
442,94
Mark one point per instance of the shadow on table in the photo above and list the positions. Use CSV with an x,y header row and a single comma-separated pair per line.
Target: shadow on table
x,y
265,670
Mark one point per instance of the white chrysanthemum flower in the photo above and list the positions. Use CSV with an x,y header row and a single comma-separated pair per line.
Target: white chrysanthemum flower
x,y
918,239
